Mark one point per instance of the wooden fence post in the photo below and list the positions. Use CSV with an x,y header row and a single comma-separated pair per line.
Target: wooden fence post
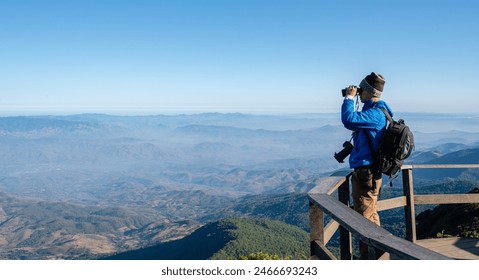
x,y
345,237
316,224
409,211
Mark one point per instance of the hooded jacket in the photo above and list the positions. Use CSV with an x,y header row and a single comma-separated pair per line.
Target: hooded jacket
x,y
370,120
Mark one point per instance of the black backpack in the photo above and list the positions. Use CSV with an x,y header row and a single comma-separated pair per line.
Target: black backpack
x,y
395,146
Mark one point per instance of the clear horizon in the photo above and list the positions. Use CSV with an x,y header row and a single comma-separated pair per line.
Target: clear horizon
x,y
261,56
132,112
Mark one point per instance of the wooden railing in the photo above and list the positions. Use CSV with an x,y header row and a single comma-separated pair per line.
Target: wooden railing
x,y
378,239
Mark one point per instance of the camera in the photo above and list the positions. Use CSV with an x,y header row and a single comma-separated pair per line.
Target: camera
x,y
341,155
344,91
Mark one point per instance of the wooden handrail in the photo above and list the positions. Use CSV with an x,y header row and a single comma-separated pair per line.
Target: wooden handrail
x,y
435,166
370,233
378,239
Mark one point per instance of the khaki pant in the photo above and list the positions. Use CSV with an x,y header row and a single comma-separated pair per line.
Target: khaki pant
x,y
365,199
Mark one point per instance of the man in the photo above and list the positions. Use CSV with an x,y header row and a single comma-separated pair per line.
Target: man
x,y
368,125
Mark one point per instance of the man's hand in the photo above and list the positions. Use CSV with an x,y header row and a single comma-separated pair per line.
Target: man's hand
x,y
351,92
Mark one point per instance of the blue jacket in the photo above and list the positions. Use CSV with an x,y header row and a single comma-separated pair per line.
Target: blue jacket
x,y
370,120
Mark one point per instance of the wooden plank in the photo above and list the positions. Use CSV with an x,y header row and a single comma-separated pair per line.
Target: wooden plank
x,y
316,224
322,252
329,230
453,247
462,255
432,166
409,212
328,185
345,237
345,216
371,233
446,198
458,242
391,203
342,173
346,243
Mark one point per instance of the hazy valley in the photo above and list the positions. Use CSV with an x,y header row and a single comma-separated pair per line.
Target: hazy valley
x,y
87,186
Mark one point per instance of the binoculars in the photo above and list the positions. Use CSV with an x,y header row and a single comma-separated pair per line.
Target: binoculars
x,y
344,91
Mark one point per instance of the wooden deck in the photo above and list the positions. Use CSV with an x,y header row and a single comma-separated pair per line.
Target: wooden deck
x,y
348,222
453,247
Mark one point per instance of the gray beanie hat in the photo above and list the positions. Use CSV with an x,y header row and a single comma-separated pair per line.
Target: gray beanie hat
x,y
373,83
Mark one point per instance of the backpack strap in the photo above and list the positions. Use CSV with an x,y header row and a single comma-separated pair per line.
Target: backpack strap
x,y
375,154
391,120
370,142
388,116
374,164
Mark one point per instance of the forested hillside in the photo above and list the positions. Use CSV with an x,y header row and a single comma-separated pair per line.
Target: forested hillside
x,y
230,238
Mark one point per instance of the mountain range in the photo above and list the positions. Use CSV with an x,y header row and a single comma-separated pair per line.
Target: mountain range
x,y
86,186
37,229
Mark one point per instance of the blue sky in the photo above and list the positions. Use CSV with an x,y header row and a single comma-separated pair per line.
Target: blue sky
x,y
261,56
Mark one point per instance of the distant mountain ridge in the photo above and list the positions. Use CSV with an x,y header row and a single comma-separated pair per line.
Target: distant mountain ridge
x,y
463,156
